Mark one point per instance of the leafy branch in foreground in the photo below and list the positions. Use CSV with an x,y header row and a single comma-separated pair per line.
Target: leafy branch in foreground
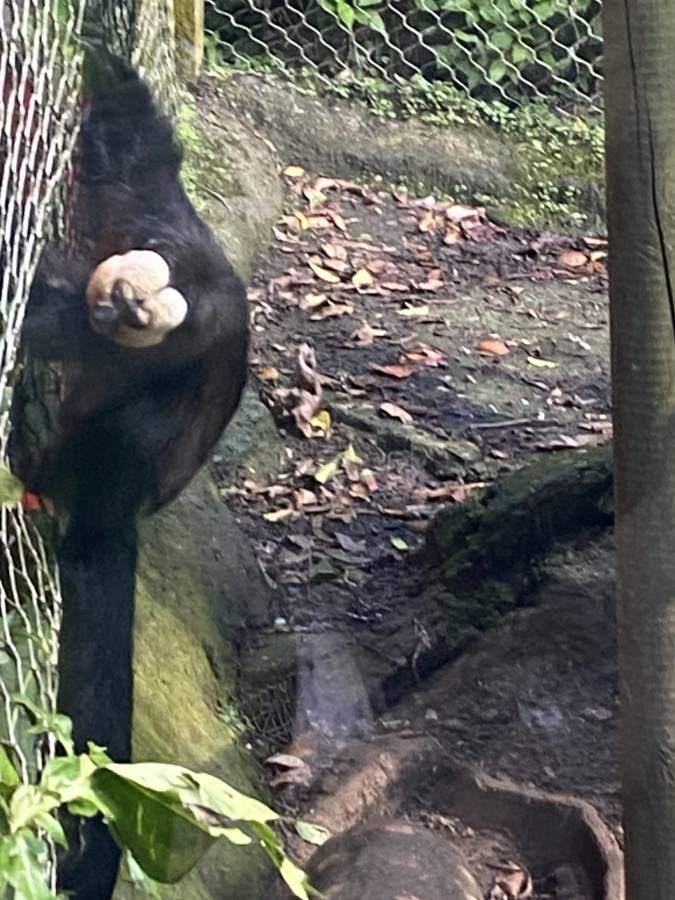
x,y
165,816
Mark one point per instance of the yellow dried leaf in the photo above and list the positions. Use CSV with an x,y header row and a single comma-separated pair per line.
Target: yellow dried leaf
x,y
268,373
321,421
294,171
312,301
414,311
351,455
328,470
324,274
362,278
278,514
541,363
302,220
400,544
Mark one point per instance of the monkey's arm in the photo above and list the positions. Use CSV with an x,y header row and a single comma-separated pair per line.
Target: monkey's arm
x,y
56,326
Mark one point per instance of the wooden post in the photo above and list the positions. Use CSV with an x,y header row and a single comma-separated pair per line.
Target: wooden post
x,y
190,34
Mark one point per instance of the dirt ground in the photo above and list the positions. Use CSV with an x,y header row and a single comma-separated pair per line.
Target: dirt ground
x,y
411,351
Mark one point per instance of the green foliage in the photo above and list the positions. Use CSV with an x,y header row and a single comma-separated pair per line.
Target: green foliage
x,y
516,48
11,488
367,13
165,817
501,49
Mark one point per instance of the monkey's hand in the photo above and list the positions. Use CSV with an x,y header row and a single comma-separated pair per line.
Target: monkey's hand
x,y
131,301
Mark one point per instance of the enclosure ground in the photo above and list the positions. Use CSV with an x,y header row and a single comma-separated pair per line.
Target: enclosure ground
x,y
412,351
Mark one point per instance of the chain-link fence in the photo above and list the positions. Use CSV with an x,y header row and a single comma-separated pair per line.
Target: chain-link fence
x,y
507,50
39,73
41,52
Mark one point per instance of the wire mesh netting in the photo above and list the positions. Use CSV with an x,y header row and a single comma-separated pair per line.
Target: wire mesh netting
x,y
39,75
41,54
508,50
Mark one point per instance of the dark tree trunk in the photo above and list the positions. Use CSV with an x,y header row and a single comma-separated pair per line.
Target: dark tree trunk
x,y
640,113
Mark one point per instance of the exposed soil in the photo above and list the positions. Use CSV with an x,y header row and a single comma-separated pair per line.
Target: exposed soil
x,y
441,350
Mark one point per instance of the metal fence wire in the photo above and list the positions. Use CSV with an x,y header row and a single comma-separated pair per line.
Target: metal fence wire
x,y
39,75
507,50
41,52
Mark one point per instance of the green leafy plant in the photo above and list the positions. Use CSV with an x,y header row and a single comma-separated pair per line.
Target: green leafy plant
x,y
165,816
501,49
360,12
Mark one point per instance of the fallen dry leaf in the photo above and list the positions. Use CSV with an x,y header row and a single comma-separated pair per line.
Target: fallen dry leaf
x,y
564,442
539,363
573,259
464,491
294,171
324,274
393,371
369,481
399,543
304,399
336,464
451,490
396,412
285,761
595,243
268,373
362,278
325,183
337,219
303,497
433,281
512,882
278,514
349,544
452,236
329,470
335,251
318,222
335,265
313,301
301,219
313,197
493,347
331,311
427,356
413,311
457,213
365,335
376,266
427,221
321,421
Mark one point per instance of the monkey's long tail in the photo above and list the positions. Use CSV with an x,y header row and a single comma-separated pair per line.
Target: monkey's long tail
x,y
96,678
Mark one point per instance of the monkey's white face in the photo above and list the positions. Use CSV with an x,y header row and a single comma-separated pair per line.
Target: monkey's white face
x,y
130,299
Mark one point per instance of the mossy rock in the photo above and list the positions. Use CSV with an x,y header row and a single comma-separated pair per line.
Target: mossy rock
x,y
526,176
482,554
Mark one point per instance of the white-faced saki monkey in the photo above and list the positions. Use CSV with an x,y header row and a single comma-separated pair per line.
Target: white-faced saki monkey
x,y
151,325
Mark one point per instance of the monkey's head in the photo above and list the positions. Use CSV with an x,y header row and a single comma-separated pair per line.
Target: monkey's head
x,y
131,301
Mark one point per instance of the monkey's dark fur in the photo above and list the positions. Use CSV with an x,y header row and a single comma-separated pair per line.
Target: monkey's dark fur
x,y
136,424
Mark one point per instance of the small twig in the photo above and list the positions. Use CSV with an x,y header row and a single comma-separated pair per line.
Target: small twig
x,y
504,423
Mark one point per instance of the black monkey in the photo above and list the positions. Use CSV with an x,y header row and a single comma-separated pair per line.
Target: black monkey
x,y
151,324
